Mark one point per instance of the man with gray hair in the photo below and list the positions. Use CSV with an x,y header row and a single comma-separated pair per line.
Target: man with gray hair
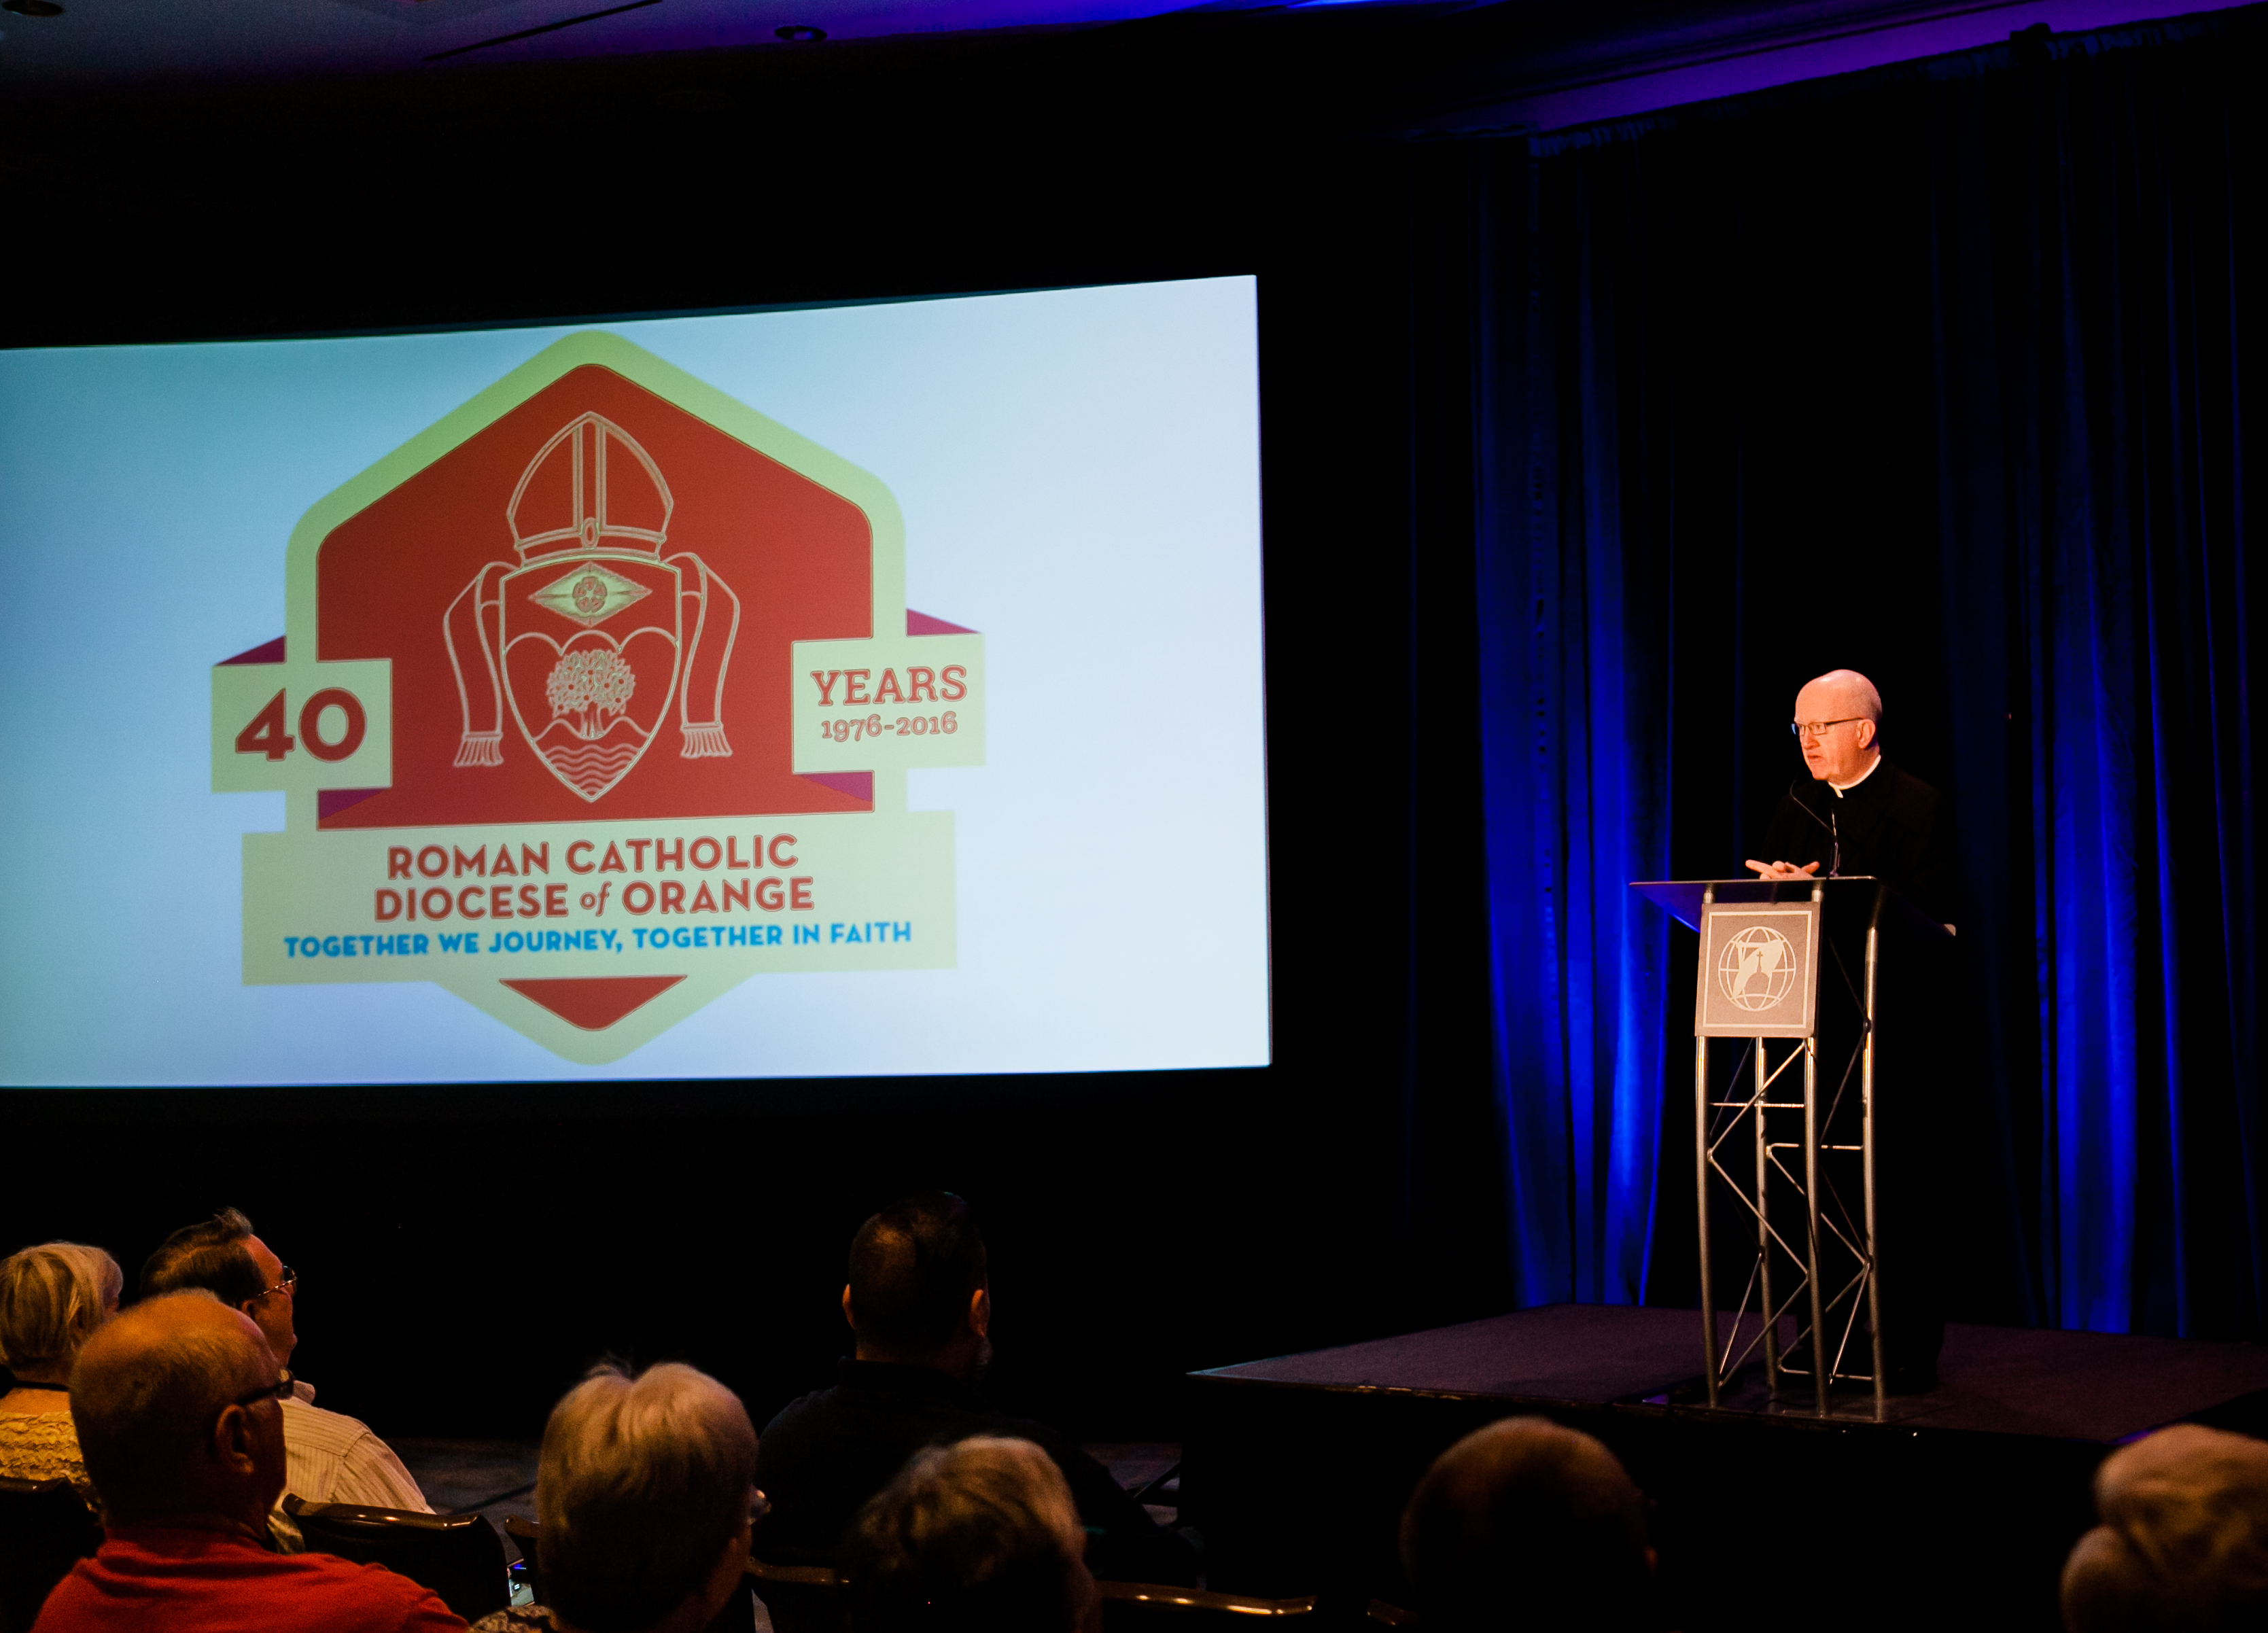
x,y
1856,812
2183,1543
977,1537
178,1403
643,1493
334,1457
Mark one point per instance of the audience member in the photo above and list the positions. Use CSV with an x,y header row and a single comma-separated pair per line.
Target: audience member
x,y
2183,1543
180,1417
334,1457
1528,1525
977,1537
920,1308
52,1297
643,1495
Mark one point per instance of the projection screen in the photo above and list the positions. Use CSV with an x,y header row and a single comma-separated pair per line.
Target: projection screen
x,y
869,689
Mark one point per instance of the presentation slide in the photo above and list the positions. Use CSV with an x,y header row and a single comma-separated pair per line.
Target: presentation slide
x,y
865,690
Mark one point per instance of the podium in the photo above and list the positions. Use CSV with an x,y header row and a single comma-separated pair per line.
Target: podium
x,y
1773,968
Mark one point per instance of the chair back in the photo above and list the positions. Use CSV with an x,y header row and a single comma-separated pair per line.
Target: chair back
x,y
815,1599
1155,1607
45,1529
460,1556
802,1599
523,1532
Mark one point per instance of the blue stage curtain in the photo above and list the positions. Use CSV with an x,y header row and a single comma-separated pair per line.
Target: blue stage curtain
x,y
2099,295
1939,370
1574,740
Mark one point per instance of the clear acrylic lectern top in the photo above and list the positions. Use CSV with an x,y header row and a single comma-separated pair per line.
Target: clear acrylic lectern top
x,y
1681,898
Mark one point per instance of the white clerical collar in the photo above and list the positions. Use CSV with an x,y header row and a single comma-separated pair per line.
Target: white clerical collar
x,y
1842,788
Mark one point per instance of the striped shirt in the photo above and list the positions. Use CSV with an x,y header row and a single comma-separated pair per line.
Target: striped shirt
x,y
332,1457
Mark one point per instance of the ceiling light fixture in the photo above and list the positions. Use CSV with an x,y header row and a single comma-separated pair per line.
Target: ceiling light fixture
x,y
800,33
32,8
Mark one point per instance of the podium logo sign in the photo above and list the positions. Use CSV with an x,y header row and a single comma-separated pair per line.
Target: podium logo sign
x,y
1760,966
1756,968
594,700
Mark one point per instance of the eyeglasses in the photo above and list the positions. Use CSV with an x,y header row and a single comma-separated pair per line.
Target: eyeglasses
x,y
287,1284
1799,730
283,1389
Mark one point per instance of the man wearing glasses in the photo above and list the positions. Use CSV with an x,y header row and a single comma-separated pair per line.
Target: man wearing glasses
x,y
1858,813
179,1406
334,1457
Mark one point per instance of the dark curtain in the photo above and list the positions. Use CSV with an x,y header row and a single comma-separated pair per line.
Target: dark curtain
x,y
1576,578
1937,372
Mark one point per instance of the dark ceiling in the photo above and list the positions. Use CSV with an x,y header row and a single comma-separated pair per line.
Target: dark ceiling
x,y
274,200
111,41
1559,61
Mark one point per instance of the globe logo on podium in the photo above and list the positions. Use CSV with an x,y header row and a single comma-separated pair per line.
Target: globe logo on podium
x,y
1755,967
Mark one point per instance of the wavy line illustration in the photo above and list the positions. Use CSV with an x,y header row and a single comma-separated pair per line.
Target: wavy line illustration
x,y
567,729
591,768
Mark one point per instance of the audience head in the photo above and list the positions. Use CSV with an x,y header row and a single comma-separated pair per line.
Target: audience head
x,y
176,1404
643,1495
981,1537
52,1297
919,1293
222,1255
2184,1541
1525,1523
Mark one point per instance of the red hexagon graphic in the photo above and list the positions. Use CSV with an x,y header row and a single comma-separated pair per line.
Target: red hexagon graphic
x,y
589,606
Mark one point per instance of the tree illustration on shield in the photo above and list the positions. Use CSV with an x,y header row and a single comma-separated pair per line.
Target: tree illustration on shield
x,y
588,687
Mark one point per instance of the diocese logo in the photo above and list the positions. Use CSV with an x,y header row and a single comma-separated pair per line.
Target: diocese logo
x,y
1755,967
596,699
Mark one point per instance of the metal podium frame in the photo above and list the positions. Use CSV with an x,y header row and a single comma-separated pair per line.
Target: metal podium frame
x,y
1835,1265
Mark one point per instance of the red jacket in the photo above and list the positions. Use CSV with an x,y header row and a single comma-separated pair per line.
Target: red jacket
x,y
147,1577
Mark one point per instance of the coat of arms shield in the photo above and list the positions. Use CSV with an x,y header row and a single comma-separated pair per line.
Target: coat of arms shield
x,y
585,639
590,651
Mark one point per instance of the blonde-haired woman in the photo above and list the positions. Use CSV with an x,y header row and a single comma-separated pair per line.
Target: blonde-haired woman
x,y
52,1297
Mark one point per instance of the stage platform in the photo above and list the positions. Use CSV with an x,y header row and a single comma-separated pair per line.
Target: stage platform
x,y
1968,1496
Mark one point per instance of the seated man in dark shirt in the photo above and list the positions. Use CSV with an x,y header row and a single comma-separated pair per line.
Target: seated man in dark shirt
x,y
920,1307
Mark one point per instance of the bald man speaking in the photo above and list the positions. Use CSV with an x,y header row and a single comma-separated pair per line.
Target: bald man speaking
x,y
1856,814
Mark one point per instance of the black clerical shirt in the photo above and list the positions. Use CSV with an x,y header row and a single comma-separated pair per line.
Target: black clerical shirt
x,y
824,1455
1893,826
